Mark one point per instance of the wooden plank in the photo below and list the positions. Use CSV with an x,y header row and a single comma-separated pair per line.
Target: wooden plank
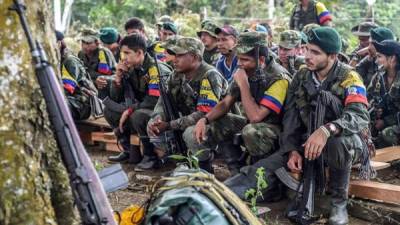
x,y
109,137
375,165
387,154
99,122
387,193
113,147
86,137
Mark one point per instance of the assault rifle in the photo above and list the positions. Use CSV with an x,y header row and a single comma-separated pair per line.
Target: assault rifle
x,y
88,192
173,138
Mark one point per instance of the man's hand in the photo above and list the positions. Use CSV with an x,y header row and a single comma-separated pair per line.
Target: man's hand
x,y
379,124
315,144
295,162
158,126
240,78
101,82
125,115
121,69
200,131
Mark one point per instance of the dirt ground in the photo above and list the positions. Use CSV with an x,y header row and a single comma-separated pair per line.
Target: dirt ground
x,y
140,186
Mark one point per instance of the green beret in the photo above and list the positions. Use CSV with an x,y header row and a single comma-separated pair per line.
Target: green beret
x,y
108,35
381,33
327,38
249,40
170,26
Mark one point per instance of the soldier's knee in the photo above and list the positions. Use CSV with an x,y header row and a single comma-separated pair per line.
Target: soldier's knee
x,y
249,132
340,151
139,120
111,117
188,136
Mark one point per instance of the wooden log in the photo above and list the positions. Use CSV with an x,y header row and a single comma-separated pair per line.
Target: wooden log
x,y
387,154
382,192
375,165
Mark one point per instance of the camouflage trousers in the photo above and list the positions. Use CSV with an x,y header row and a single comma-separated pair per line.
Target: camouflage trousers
x,y
259,138
390,136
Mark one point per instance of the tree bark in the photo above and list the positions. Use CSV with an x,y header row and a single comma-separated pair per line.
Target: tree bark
x,y
34,185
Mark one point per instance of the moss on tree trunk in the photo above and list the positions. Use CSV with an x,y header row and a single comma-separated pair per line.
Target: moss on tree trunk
x,y
34,186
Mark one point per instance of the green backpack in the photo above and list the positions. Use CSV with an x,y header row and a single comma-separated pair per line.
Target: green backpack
x,y
195,197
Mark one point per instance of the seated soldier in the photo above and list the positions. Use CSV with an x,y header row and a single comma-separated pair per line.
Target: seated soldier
x,y
99,61
76,81
384,90
325,85
208,36
368,67
195,88
262,96
110,39
135,89
289,51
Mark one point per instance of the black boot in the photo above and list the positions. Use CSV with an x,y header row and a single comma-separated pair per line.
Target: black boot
x,y
148,162
207,164
339,185
231,154
121,157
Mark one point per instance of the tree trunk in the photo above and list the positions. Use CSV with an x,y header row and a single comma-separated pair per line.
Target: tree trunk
x,y
34,186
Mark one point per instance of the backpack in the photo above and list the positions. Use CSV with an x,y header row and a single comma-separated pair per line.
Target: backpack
x,y
194,197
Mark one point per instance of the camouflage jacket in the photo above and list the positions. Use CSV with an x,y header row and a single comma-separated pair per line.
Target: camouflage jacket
x,y
367,68
144,82
211,56
101,63
342,82
75,79
387,98
259,86
193,98
295,63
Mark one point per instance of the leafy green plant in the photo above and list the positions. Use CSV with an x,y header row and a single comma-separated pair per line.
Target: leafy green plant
x,y
98,165
252,194
190,159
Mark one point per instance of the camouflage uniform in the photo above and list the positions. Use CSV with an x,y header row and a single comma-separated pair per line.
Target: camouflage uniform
x,y
367,68
142,99
101,63
268,89
209,56
363,29
192,98
316,13
75,81
291,39
389,102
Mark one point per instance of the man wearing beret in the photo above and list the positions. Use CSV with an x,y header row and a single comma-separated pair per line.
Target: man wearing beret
x,y
226,42
135,91
110,38
367,67
99,61
195,88
338,139
260,84
208,36
78,86
362,31
384,87
289,51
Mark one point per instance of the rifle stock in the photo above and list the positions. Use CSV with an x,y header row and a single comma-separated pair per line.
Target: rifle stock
x,y
87,190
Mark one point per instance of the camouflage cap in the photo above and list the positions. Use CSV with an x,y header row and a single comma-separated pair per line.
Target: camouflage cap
x,y
186,45
171,41
249,40
307,28
290,39
89,35
208,27
164,19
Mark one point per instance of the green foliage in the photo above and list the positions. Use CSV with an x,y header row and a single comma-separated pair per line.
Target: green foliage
x,y
252,194
190,159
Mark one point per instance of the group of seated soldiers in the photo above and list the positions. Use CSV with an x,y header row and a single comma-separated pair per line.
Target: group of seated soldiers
x,y
243,98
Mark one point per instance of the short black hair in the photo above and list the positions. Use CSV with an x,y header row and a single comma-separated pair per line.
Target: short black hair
x,y
134,42
134,23
262,51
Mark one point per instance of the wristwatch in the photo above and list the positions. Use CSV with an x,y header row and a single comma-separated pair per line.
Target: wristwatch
x,y
331,128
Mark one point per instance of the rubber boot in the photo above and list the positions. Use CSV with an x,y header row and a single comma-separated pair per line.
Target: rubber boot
x,y
125,142
207,164
339,186
231,154
149,159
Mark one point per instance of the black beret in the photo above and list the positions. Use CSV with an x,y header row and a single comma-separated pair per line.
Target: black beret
x,y
387,47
